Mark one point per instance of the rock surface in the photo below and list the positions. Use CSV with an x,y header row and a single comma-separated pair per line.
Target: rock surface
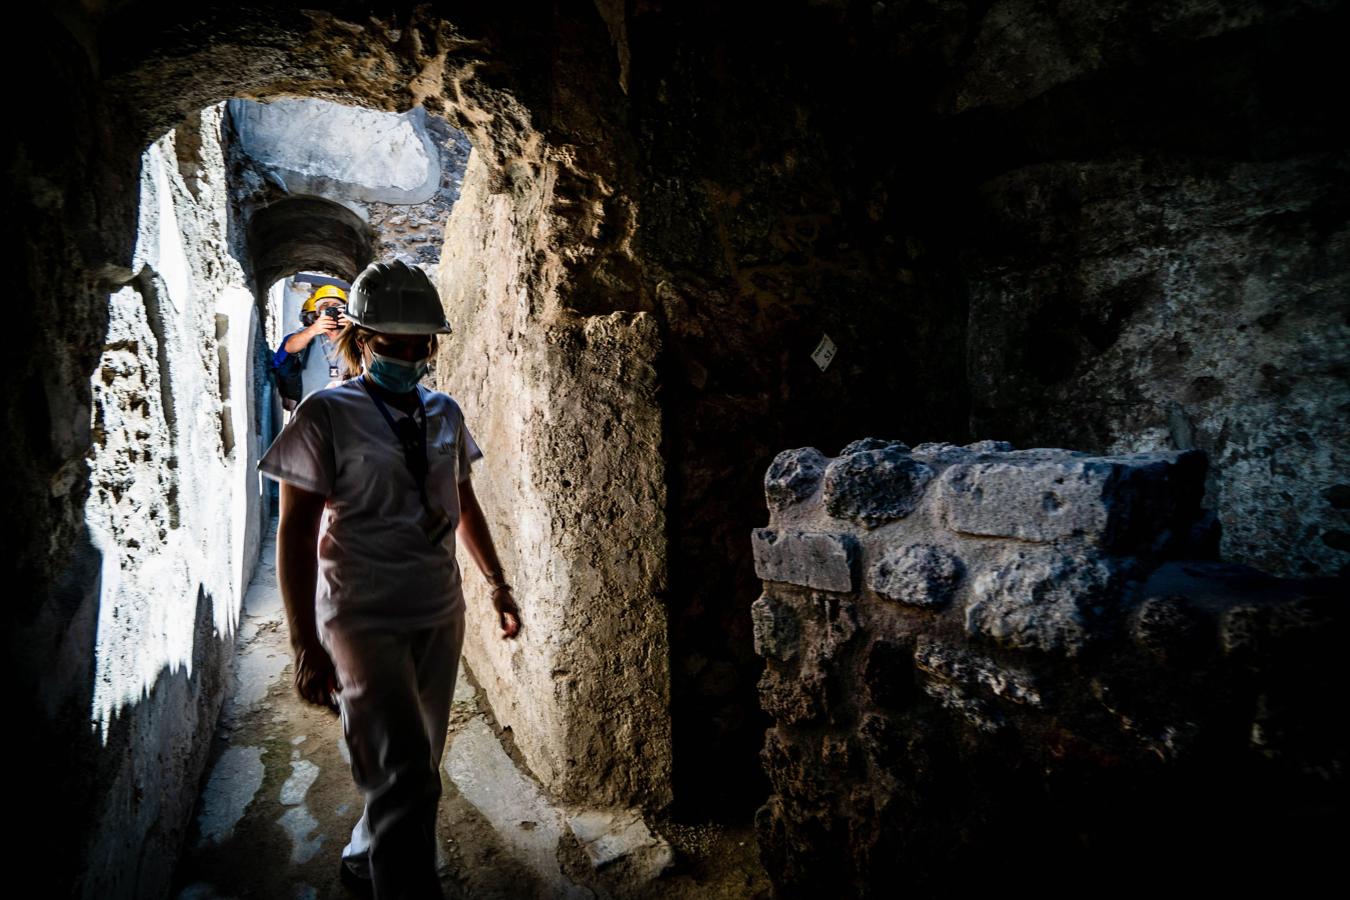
x,y
1015,679
919,575
794,476
824,561
1048,601
777,633
873,487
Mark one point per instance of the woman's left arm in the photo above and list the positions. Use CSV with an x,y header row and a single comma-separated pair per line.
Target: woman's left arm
x,y
474,535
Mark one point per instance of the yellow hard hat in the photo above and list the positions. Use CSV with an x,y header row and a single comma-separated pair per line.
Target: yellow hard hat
x,y
328,290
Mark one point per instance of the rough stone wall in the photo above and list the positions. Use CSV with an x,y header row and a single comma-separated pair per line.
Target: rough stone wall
x,y
134,649
1154,249
1193,304
981,659
573,482
175,507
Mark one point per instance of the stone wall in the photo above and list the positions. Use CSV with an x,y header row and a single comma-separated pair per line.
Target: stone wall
x,y
573,483
1153,245
983,661
135,648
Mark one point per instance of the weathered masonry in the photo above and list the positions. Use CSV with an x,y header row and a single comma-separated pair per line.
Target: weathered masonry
x,y
981,659
1119,227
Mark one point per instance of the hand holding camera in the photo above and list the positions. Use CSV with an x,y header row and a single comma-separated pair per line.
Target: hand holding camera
x,y
329,320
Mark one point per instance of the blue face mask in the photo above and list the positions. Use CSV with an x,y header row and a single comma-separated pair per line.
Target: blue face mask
x,y
396,375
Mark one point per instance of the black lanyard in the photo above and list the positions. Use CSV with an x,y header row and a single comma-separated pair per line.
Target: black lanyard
x,y
414,443
435,524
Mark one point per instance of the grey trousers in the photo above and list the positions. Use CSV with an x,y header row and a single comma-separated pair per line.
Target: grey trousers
x,y
396,689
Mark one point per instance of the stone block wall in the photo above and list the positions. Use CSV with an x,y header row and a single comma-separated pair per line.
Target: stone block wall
x,y
984,662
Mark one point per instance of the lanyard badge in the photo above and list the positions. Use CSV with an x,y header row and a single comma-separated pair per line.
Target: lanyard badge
x,y
331,358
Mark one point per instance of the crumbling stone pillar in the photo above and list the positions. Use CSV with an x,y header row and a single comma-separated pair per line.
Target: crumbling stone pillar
x,y
573,481
981,660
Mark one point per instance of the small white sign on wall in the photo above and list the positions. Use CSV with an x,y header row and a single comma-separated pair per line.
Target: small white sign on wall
x,y
824,352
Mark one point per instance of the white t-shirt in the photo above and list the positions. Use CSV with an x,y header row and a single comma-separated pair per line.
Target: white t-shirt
x,y
376,566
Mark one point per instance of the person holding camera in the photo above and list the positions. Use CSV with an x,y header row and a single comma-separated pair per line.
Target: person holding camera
x,y
308,359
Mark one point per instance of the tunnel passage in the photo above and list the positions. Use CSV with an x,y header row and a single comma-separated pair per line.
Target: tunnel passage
x,y
136,787
1073,228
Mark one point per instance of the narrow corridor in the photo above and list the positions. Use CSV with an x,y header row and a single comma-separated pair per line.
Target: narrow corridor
x,y
278,804
932,491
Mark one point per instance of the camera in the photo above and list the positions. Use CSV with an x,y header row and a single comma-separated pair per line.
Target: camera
x,y
333,312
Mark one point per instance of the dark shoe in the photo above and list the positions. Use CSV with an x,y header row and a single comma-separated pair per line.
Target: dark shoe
x,y
362,887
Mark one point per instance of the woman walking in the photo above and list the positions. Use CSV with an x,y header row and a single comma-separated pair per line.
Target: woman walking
x,y
374,489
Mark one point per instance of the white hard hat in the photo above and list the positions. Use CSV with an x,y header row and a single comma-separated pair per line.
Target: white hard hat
x,y
396,298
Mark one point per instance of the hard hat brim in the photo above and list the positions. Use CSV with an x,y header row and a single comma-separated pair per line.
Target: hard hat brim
x,y
402,327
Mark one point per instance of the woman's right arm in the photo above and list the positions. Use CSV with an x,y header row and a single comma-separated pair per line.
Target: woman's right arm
x,y
297,572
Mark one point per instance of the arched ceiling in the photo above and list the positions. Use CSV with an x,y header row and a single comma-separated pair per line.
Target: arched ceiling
x,y
298,233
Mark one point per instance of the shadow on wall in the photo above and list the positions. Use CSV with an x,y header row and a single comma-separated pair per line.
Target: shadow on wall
x,y
93,766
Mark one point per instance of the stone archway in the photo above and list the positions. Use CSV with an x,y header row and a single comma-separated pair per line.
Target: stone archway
x,y
594,688
1160,192
306,233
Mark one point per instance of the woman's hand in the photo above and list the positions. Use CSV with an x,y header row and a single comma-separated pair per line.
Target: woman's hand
x,y
315,677
297,571
508,614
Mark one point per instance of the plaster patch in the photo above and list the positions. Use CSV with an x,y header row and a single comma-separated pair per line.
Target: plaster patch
x,y
234,782
301,825
303,775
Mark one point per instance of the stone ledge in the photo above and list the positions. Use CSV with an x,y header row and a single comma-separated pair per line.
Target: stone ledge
x,y
811,559
1110,501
